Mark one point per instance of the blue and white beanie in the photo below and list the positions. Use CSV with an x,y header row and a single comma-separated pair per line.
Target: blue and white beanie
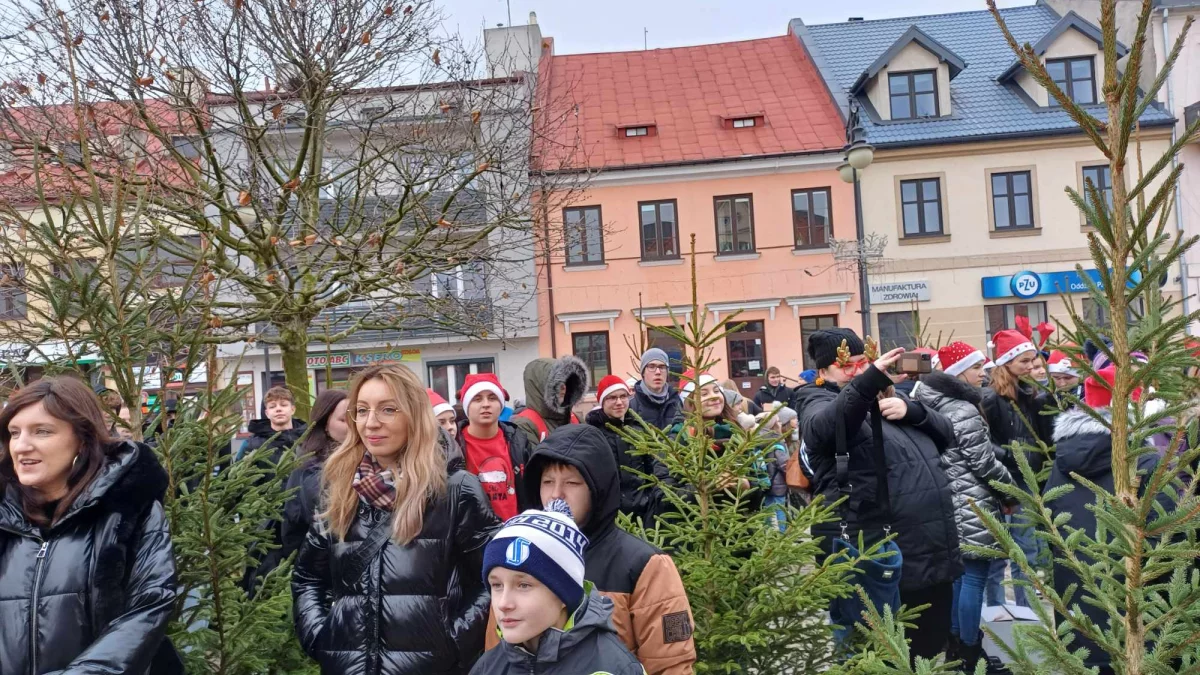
x,y
546,545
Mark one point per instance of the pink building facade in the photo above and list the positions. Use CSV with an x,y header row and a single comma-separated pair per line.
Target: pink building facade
x,y
750,173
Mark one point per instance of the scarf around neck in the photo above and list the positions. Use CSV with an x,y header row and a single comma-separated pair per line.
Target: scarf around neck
x,y
375,485
657,399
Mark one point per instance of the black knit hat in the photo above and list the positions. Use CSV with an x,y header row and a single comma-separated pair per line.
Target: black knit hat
x,y
823,345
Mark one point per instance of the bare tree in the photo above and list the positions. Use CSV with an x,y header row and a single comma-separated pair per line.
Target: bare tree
x,y
325,167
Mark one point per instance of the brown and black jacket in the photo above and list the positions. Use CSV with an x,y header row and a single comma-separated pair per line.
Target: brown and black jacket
x,y
650,613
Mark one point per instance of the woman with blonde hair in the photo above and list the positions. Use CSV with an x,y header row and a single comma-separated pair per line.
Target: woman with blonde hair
x,y
389,580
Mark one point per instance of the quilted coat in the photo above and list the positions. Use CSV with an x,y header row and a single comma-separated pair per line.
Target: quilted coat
x,y
972,463
96,589
418,609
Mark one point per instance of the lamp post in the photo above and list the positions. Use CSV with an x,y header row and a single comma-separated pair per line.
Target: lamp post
x,y
858,155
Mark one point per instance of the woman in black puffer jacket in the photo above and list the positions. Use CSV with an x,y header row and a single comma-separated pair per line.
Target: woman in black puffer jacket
x,y
389,580
86,566
914,436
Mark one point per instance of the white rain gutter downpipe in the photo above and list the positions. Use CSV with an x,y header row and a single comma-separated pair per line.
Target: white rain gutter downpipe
x,y
1185,282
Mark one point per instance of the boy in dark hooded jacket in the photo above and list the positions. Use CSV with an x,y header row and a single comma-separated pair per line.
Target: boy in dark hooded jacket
x,y
552,621
651,613
552,388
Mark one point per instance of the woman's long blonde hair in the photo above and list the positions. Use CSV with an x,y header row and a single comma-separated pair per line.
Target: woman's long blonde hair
x,y
421,472
1004,382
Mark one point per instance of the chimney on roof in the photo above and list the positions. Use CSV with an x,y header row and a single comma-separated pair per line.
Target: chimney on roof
x,y
855,18
513,49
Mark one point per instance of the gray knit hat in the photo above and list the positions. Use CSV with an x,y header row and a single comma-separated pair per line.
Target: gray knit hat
x,y
654,354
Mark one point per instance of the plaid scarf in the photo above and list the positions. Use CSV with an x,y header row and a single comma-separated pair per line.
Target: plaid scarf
x,y
374,484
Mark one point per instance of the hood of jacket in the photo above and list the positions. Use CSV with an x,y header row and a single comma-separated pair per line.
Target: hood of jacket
x,y
557,645
262,429
585,448
542,379
1082,444
131,479
811,393
948,386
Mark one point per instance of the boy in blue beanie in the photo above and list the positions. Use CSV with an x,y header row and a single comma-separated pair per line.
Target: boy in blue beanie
x,y
551,620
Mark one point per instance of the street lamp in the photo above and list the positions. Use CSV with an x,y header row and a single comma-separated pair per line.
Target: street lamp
x,y
858,155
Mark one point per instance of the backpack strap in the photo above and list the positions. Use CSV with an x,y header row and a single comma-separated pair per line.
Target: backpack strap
x,y
533,416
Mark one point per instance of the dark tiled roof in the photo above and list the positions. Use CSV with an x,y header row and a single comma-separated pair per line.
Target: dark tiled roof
x,y
983,108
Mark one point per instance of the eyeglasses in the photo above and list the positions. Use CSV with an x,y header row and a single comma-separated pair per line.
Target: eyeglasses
x,y
656,368
362,414
620,398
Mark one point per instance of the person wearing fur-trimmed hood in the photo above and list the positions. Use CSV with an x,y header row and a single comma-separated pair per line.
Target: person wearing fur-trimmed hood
x,y
552,388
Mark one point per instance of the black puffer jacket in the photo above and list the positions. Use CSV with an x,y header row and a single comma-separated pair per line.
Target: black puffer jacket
x,y
921,503
96,589
1006,426
636,500
661,415
418,609
263,436
768,394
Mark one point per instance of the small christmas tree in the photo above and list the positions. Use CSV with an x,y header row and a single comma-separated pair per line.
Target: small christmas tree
x,y
758,595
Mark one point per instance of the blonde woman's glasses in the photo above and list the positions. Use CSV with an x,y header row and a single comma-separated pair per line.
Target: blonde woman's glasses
x,y
362,414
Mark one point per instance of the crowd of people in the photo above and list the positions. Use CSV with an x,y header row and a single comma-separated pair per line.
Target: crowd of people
x,y
482,539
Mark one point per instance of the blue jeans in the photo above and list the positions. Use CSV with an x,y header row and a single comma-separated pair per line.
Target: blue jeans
x,y
968,600
1035,552
779,505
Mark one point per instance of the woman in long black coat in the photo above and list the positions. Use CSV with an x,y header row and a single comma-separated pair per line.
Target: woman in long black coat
x,y
87,576
920,503
389,580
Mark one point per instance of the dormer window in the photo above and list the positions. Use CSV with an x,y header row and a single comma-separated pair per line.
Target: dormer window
x,y
913,94
743,121
1076,77
637,130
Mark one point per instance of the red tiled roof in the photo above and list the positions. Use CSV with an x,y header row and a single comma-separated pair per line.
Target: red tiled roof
x,y
686,92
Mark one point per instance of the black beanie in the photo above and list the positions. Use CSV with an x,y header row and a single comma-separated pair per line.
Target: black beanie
x,y
823,345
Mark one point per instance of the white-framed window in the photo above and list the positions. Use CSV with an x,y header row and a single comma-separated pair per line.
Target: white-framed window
x,y
464,282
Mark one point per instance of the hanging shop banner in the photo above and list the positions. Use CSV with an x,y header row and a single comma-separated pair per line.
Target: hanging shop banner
x,y
334,359
376,357
1031,284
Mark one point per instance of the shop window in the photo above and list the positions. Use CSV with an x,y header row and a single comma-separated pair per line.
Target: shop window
x,y
592,348
1100,316
898,329
1004,317
810,325
748,356
447,377
674,350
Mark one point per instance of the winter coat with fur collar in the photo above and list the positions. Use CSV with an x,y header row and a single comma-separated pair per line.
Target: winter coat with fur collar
x,y
972,462
543,377
93,592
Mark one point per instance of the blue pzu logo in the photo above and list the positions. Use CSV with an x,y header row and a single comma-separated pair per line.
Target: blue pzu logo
x,y
518,551
1026,284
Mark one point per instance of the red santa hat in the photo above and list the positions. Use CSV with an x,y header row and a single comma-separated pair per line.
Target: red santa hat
x,y
609,385
957,357
1008,345
478,383
439,404
1097,394
692,381
1060,363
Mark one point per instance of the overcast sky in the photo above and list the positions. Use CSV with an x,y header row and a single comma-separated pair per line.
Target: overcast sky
x,y
581,26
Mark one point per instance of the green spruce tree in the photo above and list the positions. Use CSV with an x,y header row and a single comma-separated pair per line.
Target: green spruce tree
x,y
758,595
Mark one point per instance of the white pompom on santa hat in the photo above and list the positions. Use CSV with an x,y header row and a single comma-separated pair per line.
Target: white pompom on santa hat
x,y
957,357
1060,363
1008,345
692,380
609,385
